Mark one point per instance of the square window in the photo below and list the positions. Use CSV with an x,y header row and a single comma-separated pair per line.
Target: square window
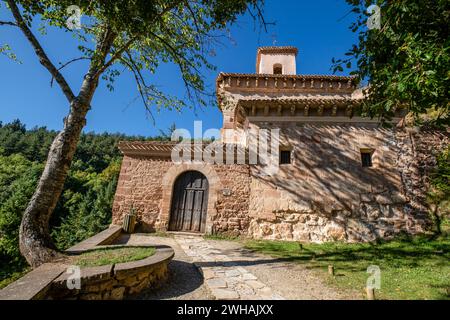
x,y
366,158
285,157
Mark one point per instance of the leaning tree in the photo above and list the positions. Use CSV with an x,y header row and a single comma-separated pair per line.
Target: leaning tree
x,y
137,35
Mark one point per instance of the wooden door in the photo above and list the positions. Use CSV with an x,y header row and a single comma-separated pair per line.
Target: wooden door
x,y
189,203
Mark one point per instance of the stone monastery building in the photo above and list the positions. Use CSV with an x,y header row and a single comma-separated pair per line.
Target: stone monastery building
x,y
340,176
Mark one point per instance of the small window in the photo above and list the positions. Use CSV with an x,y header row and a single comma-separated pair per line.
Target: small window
x,y
285,157
366,158
277,69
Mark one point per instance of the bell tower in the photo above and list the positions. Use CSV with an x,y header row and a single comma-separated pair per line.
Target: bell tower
x,y
276,60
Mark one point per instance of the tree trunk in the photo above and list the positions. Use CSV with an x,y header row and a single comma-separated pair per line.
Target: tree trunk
x,y
35,242
437,220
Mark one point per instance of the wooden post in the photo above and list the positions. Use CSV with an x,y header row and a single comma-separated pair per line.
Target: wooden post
x,y
370,293
331,270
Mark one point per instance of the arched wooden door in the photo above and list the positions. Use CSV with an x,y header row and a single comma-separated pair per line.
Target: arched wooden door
x,y
189,202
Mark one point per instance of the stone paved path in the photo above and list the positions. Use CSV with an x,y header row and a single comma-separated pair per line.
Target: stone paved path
x,y
224,278
184,283
232,272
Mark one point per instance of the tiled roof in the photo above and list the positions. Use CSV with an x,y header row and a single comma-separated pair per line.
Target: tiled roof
x,y
299,85
163,149
322,100
285,49
296,76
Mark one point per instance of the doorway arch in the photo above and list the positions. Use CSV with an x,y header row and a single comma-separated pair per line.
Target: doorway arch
x,y
189,205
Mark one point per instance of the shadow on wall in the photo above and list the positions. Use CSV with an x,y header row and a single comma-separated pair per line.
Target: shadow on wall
x,y
326,178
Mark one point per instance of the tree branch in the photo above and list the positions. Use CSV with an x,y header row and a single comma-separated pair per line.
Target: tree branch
x,y
43,58
143,89
125,47
65,65
8,23
116,55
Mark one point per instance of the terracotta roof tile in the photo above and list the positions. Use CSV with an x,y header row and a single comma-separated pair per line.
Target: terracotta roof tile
x,y
296,76
273,49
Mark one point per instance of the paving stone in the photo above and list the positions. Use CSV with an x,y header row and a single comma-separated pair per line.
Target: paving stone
x,y
242,270
208,274
255,284
249,276
221,257
232,273
225,294
265,292
220,272
244,289
233,281
216,283
225,280
250,297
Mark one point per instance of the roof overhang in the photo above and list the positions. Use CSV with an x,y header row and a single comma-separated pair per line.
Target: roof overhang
x,y
308,109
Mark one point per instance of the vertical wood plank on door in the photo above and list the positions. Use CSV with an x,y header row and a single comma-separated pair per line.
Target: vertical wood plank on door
x,y
189,202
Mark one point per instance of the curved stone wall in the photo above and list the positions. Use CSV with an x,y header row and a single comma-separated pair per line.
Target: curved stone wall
x,y
115,281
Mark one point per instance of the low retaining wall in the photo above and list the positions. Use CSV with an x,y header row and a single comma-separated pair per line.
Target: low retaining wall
x,y
110,282
113,282
102,238
35,284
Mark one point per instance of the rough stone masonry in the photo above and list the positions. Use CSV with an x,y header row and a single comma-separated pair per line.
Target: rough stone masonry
x,y
341,176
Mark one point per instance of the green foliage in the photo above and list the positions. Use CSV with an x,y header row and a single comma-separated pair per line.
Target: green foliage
x,y
415,268
18,180
85,205
8,275
439,193
147,34
407,61
440,178
6,51
32,144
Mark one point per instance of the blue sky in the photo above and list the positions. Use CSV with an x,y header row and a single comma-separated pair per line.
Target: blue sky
x,y
317,28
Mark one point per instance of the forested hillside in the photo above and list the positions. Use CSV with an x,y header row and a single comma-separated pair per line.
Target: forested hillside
x,y
85,205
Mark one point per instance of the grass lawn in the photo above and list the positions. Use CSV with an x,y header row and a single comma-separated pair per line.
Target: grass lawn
x,y
410,269
104,256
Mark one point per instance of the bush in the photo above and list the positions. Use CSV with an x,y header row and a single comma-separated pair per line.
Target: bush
x,y
18,180
86,205
439,193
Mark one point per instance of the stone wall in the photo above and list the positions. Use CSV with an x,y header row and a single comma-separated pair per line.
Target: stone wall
x,y
114,282
419,163
146,184
232,209
108,282
140,186
325,194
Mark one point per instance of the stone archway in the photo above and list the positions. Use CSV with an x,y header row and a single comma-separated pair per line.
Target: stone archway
x,y
168,182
